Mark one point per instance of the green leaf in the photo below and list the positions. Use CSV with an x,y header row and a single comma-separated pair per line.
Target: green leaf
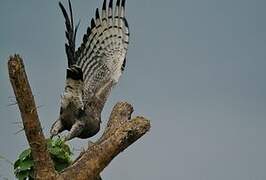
x,y
25,154
60,166
66,148
58,142
23,175
59,151
63,156
55,151
25,165
49,143
16,164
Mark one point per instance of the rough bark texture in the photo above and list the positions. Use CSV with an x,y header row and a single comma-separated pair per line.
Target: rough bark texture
x,y
42,162
118,135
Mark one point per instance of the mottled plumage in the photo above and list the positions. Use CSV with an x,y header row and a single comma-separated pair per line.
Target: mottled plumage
x,y
92,70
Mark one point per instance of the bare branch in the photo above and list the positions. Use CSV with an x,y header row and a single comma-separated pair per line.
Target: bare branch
x,y
119,134
18,78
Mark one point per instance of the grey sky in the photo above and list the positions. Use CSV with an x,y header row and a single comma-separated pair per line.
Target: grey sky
x,y
195,68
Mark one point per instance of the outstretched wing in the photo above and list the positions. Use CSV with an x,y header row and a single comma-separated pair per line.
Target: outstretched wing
x,y
101,55
70,34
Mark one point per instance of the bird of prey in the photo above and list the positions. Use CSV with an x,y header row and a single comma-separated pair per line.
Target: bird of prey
x,y
93,69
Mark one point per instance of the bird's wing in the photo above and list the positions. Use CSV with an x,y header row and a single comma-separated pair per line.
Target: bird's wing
x,y
70,34
101,55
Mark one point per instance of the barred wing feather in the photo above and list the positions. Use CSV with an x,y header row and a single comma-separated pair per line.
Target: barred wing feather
x,y
101,55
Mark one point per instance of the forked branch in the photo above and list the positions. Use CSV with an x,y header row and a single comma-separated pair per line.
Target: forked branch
x,y
120,133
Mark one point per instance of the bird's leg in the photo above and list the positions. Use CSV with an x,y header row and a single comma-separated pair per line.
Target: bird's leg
x,y
75,130
57,127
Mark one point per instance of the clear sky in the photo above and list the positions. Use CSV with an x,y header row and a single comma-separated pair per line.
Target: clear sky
x,y
196,69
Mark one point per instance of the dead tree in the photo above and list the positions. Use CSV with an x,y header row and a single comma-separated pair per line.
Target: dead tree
x,y
121,131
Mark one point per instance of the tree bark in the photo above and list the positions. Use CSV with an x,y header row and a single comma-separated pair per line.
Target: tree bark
x,y
42,162
121,132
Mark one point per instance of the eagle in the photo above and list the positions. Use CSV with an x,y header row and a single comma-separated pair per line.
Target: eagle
x,y
93,69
